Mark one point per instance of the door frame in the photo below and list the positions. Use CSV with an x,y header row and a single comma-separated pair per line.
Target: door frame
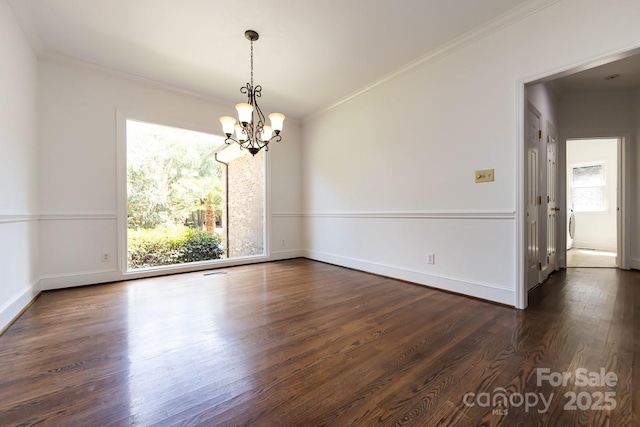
x,y
548,267
538,207
521,294
623,195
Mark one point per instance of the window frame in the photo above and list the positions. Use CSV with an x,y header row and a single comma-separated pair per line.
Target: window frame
x,y
122,116
603,185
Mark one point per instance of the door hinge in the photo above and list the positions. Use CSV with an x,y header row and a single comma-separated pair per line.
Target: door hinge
x,y
548,138
539,134
539,200
548,260
540,266
548,199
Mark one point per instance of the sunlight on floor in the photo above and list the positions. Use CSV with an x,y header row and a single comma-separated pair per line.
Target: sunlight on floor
x,y
577,257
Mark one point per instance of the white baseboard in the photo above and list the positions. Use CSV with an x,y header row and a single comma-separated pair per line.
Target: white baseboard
x,y
10,310
94,278
599,246
79,279
635,264
280,255
484,291
480,290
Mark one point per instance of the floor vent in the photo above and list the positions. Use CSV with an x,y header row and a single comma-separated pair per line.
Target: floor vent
x,y
214,272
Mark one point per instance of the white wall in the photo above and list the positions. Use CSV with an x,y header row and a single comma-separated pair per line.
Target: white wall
x,y
596,230
545,101
79,106
598,114
412,145
18,169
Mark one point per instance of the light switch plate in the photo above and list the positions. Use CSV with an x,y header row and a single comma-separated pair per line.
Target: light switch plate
x,y
484,175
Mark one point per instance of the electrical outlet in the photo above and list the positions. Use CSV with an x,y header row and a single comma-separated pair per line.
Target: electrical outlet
x,y
431,258
105,256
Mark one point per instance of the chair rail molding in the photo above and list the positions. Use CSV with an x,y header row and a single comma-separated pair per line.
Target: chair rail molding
x,y
434,214
13,218
78,216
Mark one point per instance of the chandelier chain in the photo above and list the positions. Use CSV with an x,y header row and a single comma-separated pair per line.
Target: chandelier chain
x,y
251,63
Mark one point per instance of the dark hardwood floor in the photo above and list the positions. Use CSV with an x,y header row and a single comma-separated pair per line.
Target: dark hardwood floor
x,y
301,343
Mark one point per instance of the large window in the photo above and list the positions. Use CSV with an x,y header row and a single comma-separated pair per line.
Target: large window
x,y
588,188
190,197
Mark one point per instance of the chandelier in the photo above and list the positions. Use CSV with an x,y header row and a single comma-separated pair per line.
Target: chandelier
x,y
252,132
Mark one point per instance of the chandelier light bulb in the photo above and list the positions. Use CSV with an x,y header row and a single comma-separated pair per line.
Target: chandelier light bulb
x,y
277,121
245,112
267,132
228,125
241,134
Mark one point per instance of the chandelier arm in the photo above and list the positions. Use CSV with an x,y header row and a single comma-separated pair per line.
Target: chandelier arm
x,y
274,138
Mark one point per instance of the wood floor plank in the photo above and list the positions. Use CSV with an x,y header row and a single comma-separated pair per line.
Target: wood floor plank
x,y
301,343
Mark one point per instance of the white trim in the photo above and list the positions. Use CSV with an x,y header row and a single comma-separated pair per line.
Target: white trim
x,y
502,21
266,202
623,197
600,246
522,297
121,118
10,310
57,58
79,217
23,15
635,264
103,276
121,188
485,291
79,279
282,255
10,219
439,214
287,215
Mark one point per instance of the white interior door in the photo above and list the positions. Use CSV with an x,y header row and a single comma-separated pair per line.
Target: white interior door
x,y
552,199
532,141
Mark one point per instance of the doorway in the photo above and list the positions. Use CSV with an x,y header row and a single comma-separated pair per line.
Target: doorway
x,y
590,101
593,167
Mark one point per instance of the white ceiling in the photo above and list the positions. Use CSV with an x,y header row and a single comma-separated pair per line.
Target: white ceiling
x,y
593,79
311,53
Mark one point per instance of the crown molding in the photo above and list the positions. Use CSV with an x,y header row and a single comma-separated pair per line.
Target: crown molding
x,y
21,11
502,21
60,59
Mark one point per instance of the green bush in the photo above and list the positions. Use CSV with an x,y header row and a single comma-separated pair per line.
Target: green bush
x,y
152,248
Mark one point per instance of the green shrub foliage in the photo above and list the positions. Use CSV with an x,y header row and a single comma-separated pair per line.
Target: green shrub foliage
x,y
152,248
